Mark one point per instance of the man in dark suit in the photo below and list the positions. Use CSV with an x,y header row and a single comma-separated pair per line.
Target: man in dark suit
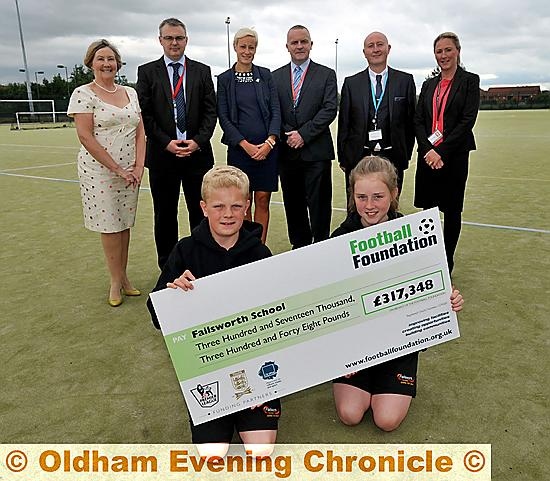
x,y
178,105
377,111
308,96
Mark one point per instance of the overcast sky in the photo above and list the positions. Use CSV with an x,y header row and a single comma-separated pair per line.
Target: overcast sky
x,y
506,42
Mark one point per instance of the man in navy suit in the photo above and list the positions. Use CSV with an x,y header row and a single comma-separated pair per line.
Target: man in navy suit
x,y
308,96
377,111
178,105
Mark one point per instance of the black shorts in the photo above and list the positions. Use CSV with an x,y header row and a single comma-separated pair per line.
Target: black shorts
x,y
397,376
264,417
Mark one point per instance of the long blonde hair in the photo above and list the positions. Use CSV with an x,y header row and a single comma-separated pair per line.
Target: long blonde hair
x,y
380,166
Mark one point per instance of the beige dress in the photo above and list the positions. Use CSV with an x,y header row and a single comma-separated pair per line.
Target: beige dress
x,y
109,206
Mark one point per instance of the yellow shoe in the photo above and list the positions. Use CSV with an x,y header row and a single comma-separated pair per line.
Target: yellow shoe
x,y
115,302
131,292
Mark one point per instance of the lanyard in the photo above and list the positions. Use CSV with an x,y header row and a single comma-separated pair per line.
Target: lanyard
x,y
176,90
379,101
299,86
438,104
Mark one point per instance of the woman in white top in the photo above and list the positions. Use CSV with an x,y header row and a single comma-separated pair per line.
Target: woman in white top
x,y
110,162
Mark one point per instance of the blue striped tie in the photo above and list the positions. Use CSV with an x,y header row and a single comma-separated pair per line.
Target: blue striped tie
x,y
180,98
296,83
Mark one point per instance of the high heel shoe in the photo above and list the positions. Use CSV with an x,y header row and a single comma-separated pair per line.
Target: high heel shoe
x,y
131,292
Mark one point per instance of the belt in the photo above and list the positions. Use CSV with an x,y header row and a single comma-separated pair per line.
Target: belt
x,y
367,148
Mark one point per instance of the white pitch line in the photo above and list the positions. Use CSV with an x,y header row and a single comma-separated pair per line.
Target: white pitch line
x,y
38,167
76,147
338,209
507,178
39,177
496,226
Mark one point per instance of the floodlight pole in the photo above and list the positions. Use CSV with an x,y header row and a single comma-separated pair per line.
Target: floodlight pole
x,y
36,74
66,79
336,57
227,22
118,72
28,80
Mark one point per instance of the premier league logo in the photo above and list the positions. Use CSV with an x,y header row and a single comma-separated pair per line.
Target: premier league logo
x,y
207,395
426,226
268,371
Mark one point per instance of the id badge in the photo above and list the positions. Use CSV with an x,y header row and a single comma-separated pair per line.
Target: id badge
x,y
435,137
375,135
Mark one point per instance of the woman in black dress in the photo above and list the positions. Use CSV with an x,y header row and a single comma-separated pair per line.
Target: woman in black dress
x,y
248,109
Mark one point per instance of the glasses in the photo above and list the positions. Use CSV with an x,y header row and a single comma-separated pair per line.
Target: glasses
x,y
170,39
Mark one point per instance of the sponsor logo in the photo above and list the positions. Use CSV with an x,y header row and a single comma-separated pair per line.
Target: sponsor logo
x,y
271,412
240,383
407,380
207,395
268,371
426,226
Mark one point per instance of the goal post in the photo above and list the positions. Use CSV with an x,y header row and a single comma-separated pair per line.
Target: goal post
x,y
31,120
38,106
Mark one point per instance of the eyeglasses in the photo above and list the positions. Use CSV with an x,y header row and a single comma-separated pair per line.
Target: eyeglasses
x,y
170,39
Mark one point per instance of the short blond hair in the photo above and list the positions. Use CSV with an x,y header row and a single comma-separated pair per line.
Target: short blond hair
x,y
245,32
98,45
222,177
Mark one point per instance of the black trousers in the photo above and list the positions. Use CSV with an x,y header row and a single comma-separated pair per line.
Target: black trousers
x,y
307,197
452,225
165,190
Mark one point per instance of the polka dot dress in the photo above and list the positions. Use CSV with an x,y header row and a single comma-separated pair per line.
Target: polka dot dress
x,y
109,206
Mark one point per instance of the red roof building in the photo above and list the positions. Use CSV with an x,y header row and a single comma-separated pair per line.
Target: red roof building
x,y
509,94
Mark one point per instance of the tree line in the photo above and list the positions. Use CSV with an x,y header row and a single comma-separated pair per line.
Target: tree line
x,y
57,89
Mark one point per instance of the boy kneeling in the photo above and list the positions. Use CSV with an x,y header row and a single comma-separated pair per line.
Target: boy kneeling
x,y
222,241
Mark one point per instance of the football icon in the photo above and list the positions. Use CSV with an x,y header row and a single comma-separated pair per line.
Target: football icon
x,y
426,226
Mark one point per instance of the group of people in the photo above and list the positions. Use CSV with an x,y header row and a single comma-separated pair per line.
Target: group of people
x,y
276,127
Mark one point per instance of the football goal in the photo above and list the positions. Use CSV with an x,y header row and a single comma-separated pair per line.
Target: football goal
x,y
41,120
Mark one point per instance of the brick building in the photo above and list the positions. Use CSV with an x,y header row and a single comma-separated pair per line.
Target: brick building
x,y
501,95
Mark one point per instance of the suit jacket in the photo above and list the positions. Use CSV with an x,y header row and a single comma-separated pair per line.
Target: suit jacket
x,y
312,116
157,108
266,95
354,114
459,115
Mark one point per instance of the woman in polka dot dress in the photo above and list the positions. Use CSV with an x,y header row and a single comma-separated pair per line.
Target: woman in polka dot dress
x,y
110,162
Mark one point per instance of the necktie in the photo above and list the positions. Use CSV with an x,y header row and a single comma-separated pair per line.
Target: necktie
x,y
378,92
180,98
296,86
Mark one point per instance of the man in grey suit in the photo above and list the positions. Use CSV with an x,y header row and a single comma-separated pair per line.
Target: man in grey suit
x,y
308,97
178,105
377,111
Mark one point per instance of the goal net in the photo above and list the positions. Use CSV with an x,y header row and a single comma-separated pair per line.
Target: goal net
x,y
41,120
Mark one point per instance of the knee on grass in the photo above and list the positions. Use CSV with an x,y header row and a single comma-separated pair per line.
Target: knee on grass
x,y
387,421
350,416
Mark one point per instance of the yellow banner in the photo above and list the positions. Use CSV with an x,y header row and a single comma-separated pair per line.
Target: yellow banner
x,y
299,462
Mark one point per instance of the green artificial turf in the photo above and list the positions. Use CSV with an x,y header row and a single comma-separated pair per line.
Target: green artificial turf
x,y
75,370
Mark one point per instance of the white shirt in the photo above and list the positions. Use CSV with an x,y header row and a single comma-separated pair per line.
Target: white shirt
x,y
373,75
170,69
